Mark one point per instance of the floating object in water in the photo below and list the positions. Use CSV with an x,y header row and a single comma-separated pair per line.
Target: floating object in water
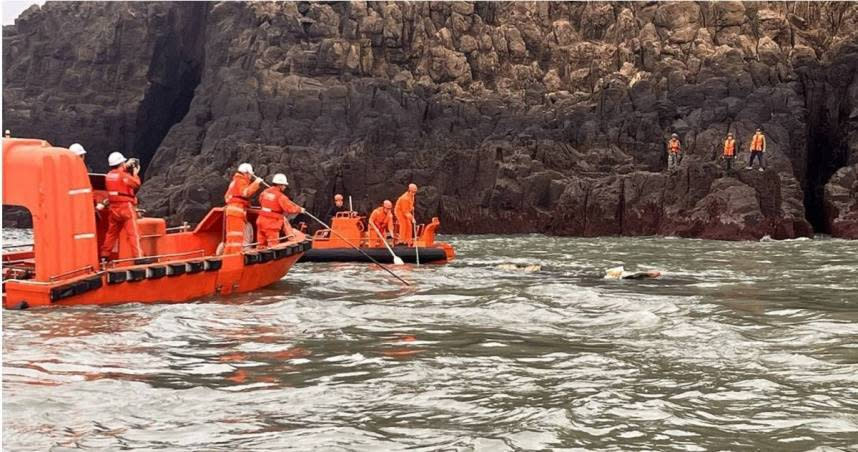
x,y
620,273
350,229
526,268
62,268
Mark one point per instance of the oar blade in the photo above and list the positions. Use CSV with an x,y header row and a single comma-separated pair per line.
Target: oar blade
x,y
398,261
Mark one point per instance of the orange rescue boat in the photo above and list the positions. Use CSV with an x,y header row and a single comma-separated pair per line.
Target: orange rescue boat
x,y
62,265
350,229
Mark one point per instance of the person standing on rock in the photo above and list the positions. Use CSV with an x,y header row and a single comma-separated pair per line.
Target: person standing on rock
x,y
337,207
758,148
273,206
243,186
674,152
404,212
729,151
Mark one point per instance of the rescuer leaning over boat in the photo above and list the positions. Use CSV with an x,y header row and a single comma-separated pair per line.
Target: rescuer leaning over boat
x,y
243,186
121,184
382,219
273,205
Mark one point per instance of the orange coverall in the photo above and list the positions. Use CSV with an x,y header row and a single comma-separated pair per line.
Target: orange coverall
x,y
121,186
404,211
270,220
237,198
383,221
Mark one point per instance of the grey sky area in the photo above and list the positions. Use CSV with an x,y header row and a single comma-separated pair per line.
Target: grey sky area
x,y
11,9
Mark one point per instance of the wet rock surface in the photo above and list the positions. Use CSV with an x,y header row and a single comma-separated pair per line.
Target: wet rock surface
x,y
512,117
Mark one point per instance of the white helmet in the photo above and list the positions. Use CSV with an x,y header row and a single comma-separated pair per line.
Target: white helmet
x,y
115,158
280,179
77,149
245,168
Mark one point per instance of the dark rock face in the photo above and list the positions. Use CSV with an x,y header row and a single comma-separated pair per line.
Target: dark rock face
x,y
511,117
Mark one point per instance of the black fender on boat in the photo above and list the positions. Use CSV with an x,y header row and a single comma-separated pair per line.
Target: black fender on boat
x,y
116,277
213,265
176,269
195,266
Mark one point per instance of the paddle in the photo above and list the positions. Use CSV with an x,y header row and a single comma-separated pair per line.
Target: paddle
x,y
396,259
416,248
358,249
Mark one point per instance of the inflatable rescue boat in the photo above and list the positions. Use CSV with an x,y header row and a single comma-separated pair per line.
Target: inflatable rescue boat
x,y
350,229
61,266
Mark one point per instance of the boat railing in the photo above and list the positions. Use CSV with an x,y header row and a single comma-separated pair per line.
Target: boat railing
x,y
88,268
22,245
281,239
159,256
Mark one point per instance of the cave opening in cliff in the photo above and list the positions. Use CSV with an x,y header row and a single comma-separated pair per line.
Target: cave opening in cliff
x,y
174,74
825,155
164,106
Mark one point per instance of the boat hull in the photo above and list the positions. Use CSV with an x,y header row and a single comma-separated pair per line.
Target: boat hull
x,y
156,283
407,254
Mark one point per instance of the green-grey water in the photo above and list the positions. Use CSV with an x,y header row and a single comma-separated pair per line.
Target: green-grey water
x,y
740,346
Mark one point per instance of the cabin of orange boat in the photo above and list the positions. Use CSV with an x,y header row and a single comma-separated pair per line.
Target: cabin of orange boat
x,y
53,185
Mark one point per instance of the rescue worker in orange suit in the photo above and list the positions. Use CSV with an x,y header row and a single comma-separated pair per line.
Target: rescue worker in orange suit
x,y
243,186
729,151
674,152
273,206
758,148
404,212
336,208
382,219
121,184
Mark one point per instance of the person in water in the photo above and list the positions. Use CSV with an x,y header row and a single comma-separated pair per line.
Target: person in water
x,y
729,151
121,184
620,273
382,219
274,204
337,207
758,148
674,152
404,212
243,186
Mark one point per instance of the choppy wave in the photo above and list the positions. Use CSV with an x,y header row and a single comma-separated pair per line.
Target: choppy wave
x,y
746,345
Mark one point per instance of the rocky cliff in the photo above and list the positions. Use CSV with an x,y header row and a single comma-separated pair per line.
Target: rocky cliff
x,y
512,117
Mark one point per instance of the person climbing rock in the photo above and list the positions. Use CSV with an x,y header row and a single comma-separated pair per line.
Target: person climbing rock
x,y
243,186
382,219
404,211
273,205
674,152
729,151
121,184
758,148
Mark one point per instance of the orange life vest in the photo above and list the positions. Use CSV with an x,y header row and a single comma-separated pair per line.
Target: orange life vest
x,y
237,193
758,142
729,147
673,146
120,185
274,203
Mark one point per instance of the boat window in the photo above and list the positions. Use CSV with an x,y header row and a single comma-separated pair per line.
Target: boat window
x,y
18,257
16,217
